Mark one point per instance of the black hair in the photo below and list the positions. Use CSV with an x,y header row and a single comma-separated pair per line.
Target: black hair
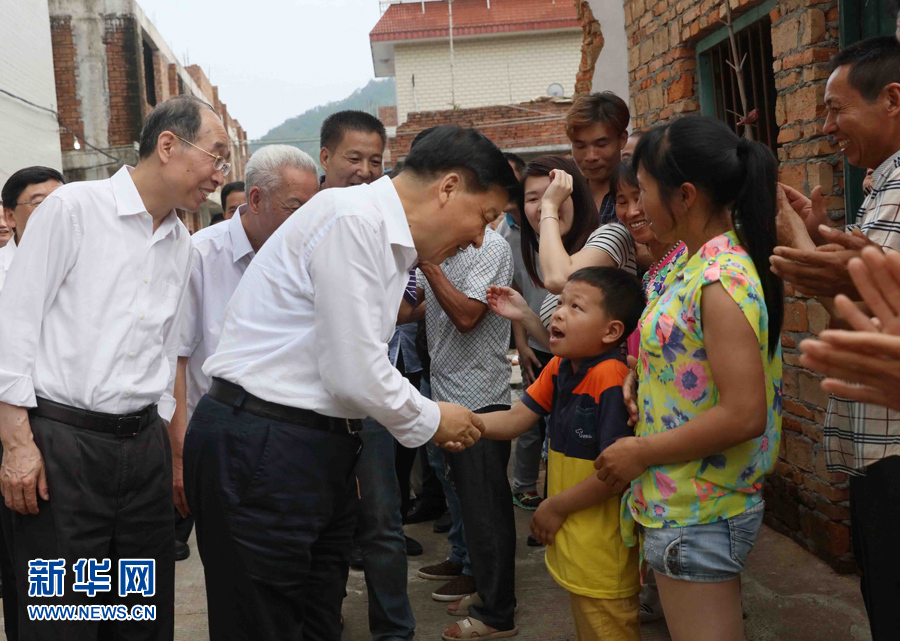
x,y
448,147
623,173
229,189
216,219
585,217
180,115
605,107
338,124
874,64
516,160
734,173
623,294
22,179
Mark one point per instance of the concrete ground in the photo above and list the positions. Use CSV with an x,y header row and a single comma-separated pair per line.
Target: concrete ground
x,y
789,595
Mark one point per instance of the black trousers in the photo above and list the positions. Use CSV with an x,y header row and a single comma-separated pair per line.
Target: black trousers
x,y
479,476
875,525
274,505
110,498
183,526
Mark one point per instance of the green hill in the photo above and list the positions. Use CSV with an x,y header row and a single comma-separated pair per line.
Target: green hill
x,y
303,131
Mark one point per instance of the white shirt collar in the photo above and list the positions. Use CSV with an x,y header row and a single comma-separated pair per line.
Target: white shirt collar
x,y
129,202
240,243
394,214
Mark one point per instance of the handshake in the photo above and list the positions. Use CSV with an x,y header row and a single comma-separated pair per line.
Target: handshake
x,y
459,428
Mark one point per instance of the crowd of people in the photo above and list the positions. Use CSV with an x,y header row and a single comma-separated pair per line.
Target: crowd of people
x,y
273,378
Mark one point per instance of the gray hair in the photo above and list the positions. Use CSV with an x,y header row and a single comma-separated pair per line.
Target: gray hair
x,y
264,167
179,114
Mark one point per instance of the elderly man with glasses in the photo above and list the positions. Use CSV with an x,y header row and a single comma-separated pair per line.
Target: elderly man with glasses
x,y
86,381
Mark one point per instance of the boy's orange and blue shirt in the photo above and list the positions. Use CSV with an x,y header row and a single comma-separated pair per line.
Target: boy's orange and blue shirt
x,y
586,415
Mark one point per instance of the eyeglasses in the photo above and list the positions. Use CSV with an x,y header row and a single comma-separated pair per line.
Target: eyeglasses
x,y
219,163
32,203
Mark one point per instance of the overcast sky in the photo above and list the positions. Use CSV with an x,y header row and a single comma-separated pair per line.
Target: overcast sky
x,y
271,59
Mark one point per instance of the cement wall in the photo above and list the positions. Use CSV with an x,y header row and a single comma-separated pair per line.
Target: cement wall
x,y
30,136
611,71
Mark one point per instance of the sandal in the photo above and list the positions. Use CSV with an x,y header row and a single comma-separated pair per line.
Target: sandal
x,y
462,606
470,628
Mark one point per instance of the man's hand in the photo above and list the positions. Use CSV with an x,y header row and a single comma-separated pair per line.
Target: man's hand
x,y
864,365
177,428
822,272
22,474
459,428
507,302
630,392
546,522
620,463
811,210
791,226
528,364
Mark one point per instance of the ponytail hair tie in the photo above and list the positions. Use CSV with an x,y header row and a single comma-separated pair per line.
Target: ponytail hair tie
x,y
743,149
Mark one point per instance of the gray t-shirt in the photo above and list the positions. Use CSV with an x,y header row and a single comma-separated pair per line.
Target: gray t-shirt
x,y
471,369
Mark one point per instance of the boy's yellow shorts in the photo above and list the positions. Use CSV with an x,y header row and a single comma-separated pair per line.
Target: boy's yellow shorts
x,y
606,619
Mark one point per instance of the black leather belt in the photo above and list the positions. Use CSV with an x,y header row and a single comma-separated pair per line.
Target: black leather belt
x,y
121,425
237,397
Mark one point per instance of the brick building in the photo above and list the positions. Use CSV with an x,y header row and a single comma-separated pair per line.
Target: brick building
x,y
112,67
504,52
677,54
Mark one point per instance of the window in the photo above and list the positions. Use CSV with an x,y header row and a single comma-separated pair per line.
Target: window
x,y
149,76
719,95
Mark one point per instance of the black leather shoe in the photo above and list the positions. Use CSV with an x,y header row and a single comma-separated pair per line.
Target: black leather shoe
x,y
182,550
422,512
442,525
356,558
413,547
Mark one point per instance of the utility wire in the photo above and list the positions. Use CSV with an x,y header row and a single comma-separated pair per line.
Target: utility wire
x,y
64,126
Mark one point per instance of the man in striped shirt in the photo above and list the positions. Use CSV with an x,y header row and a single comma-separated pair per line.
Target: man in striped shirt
x,y
862,101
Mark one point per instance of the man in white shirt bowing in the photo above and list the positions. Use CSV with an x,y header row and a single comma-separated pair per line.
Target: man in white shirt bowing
x,y
271,449
279,180
86,379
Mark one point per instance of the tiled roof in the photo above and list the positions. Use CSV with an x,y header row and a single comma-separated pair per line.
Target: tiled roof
x,y
472,17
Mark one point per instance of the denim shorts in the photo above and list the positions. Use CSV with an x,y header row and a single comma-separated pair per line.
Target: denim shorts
x,y
711,552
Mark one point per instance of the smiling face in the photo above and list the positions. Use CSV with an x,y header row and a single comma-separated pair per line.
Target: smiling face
x,y
356,160
597,150
662,222
580,326
295,187
858,126
535,186
457,219
191,172
630,213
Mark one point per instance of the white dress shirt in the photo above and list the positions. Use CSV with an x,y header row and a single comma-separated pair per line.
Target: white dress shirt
x,y
89,303
7,252
220,256
310,322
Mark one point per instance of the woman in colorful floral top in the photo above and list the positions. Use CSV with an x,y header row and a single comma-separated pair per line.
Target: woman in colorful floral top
x,y
709,395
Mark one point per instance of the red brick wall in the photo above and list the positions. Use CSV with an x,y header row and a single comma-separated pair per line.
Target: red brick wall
x,y
67,100
388,116
125,73
529,124
805,501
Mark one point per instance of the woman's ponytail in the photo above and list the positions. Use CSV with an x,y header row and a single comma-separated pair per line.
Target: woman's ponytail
x,y
754,221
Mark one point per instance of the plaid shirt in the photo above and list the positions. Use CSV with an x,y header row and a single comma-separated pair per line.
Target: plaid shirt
x,y
608,210
859,434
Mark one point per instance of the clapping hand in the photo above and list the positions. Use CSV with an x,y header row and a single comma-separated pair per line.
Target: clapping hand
x,y
864,365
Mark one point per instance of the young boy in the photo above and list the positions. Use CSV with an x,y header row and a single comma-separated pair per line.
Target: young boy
x,y
581,390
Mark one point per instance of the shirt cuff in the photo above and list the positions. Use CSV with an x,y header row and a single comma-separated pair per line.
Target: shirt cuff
x,y
424,429
17,389
166,407
185,352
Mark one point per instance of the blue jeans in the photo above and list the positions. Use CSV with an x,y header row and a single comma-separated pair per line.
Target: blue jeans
x,y
379,533
459,552
705,553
